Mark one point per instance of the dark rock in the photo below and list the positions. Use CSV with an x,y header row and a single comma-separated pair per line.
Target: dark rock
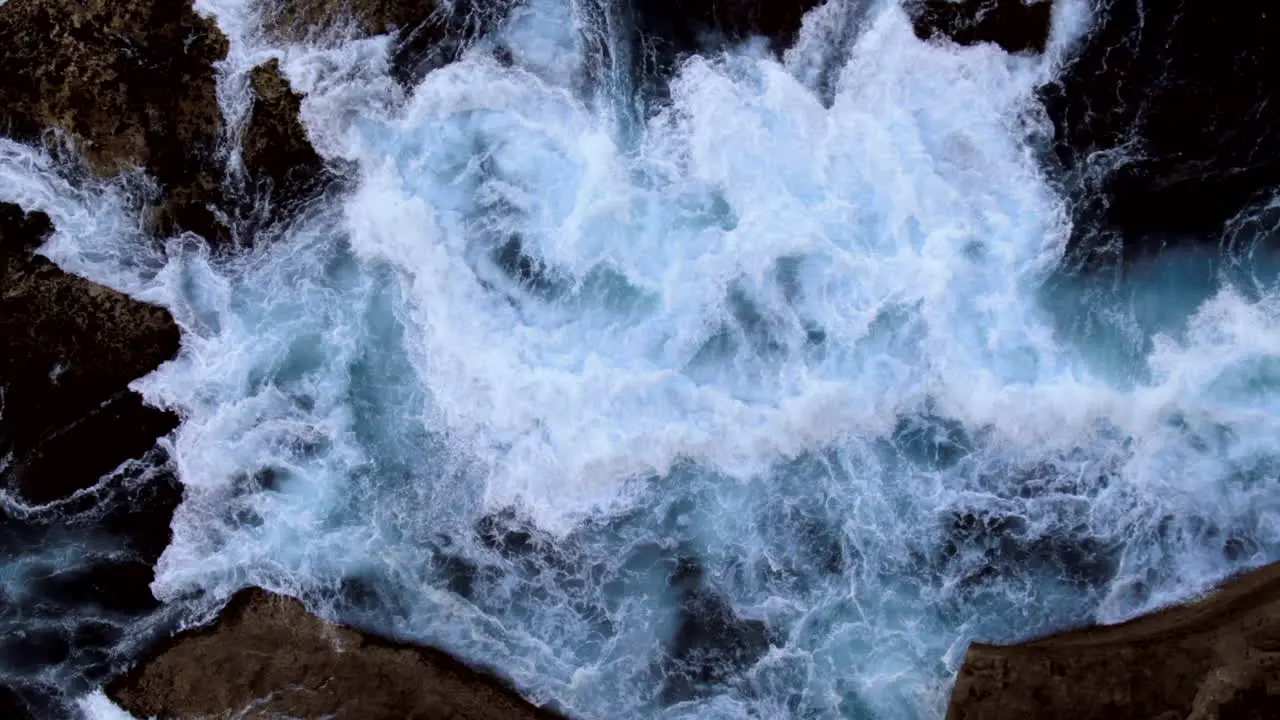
x,y
669,30
982,545
1167,120
712,643
142,511
275,148
1217,659
686,26
266,656
131,82
68,350
1018,26
430,34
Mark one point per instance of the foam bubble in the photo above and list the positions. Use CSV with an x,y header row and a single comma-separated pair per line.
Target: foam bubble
x,y
804,325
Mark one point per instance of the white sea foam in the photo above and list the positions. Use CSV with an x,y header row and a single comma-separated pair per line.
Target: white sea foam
x,y
805,325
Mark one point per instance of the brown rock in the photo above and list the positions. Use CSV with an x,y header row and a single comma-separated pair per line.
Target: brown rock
x,y
68,350
429,33
132,83
1217,659
275,147
267,657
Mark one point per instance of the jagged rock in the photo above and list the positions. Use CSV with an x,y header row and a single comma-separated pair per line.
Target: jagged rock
x,y
430,33
1217,659
668,30
1018,26
267,657
275,146
68,350
132,83
12,705
1168,118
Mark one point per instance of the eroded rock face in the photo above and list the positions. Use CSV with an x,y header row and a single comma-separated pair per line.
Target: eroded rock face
x,y
68,350
668,30
430,33
1217,659
132,82
267,657
1169,117
1018,26
277,154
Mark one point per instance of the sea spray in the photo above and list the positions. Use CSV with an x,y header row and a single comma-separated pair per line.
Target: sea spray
x,y
764,404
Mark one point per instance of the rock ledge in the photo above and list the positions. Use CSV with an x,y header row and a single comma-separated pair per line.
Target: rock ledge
x,y
267,657
1216,659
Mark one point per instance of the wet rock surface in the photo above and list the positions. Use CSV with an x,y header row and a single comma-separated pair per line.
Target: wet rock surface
x,y
1017,26
1167,121
429,33
712,643
133,86
68,350
666,31
1217,659
132,83
278,157
267,656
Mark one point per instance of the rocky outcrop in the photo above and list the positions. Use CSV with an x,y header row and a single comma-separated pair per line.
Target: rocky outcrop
x,y
277,155
267,657
712,644
429,33
131,83
1217,659
1018,26
68,350
668,30
1167,118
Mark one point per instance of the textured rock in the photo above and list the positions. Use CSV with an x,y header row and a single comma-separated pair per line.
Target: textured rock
x,y
711,644
1169,118
1018,26
1217,659
268,657
68,350
132,83
429,33
668,30
275,147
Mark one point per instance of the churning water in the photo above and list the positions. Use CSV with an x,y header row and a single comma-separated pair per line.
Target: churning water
x,y
761,399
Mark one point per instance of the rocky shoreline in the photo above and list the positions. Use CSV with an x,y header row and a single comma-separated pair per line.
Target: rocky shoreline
x,y
1216,659
266,657
81,80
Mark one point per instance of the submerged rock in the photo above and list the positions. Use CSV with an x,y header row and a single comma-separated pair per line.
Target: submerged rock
x,y
267,657
712,643
1217,659
1018,26
1168,119
68,350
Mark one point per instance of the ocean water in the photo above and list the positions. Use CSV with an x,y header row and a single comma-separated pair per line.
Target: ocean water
x,y
762,399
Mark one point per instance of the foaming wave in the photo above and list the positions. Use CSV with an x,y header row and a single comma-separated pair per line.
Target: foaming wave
x,y
769,404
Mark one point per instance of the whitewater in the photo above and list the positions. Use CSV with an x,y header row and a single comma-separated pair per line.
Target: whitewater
x,y
798,335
